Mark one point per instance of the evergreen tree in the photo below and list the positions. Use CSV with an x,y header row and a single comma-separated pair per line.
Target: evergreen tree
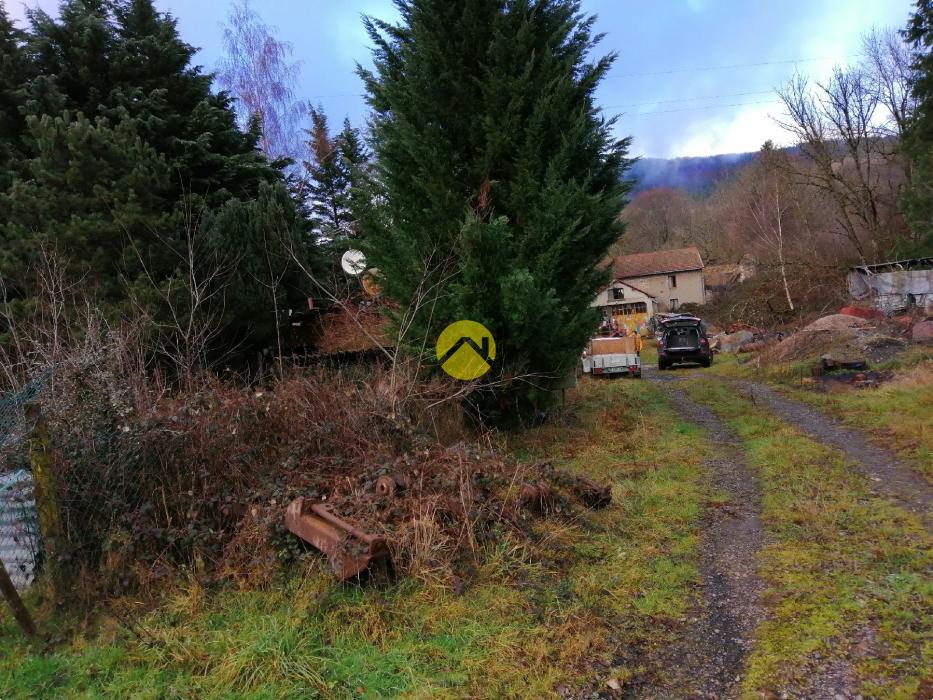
x,y
501,183
918,142
123,140
14,74
334,173
328,180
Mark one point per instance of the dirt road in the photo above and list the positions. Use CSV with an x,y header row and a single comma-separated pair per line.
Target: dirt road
x,y
710,659
889,476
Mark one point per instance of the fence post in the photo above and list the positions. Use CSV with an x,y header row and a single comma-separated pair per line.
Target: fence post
x,y
23,618
45,495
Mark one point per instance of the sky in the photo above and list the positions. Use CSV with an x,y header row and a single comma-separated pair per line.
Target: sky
x,y
682,83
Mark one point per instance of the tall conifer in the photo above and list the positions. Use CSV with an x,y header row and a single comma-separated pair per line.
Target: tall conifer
x,y
501,181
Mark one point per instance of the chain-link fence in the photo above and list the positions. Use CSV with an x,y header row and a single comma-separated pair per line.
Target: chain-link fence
x,y
19,523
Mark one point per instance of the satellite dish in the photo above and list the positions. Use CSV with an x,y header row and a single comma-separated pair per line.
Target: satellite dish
x,y
353,262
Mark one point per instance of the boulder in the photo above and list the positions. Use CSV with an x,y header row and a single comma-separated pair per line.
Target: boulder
x,y
922,331
734,341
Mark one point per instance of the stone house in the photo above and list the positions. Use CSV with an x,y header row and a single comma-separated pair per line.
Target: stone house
x,y
669,277
628,306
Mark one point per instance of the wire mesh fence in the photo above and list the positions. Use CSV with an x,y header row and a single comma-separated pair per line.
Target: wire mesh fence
x,y
20,550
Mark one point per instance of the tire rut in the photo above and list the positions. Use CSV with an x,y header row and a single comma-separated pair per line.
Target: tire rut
x,y
888,476
709,660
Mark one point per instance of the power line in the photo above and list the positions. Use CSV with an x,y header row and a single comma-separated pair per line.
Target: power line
x,y
689,99
693,109
733,65
670,72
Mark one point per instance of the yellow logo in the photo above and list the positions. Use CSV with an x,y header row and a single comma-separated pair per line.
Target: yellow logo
x,y
466,350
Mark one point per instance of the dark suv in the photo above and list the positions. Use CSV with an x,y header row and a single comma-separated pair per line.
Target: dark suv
x,y
683,339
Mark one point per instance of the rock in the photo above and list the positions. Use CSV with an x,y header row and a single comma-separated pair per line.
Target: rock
x,y
614,684
734,341
837,322
922,332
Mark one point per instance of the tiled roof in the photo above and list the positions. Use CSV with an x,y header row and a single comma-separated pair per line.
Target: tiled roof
x,y
657,263
353,330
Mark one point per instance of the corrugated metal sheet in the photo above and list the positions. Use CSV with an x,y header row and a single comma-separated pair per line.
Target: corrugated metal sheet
x,y
19,540
894,290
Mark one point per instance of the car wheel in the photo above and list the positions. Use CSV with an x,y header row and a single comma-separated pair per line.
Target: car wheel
x,y
707,363
662,365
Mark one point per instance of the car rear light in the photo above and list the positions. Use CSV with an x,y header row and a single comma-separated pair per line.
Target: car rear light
x,y
632,368
597,370
704,341
660,343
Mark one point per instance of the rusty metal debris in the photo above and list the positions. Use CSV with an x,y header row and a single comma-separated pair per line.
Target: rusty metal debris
x,y
387,486
591,494
535,496
349,549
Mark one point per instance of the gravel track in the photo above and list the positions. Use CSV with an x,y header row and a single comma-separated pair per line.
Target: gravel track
x,y
709,660
889,477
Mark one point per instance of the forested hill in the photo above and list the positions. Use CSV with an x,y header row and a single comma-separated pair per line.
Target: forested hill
x,y
695,175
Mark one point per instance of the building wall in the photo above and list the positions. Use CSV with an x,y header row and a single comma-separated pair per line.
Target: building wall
x,y
604,298
690,288
619,310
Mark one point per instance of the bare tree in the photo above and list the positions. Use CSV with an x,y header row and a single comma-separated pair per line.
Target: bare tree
x,y
888,67
657,219
194,297
769,202
845,154
848,130
258,71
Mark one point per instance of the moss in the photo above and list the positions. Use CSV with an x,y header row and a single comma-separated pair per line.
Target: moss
x,y
845,570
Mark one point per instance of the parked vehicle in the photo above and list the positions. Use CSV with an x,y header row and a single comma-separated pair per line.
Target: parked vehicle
x,y
613,356
682,339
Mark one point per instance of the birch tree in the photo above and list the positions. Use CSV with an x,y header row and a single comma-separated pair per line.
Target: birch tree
x,y
258,71
770,201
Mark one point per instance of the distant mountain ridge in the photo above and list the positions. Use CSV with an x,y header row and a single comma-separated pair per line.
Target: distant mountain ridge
x,y
697,175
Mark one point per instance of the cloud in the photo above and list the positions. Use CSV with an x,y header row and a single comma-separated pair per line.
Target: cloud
x,y
743,131
17,10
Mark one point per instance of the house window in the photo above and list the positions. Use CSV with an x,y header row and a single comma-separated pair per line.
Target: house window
x,y
673,281
618,293
641,307
675,303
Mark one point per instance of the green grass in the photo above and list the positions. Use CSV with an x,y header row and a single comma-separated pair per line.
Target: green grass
x,y
895,414
847,573
599,590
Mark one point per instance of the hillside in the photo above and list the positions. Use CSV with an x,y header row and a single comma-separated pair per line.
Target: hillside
x,y
696,175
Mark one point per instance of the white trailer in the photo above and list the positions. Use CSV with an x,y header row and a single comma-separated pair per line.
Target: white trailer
x,y
606,357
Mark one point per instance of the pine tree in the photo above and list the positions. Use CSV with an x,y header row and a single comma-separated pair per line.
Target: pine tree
x,y
123,140
356,161
501,183
918,142
14,74
328,180
335,175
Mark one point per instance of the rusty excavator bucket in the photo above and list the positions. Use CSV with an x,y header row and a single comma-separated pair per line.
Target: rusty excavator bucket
x,y
349,549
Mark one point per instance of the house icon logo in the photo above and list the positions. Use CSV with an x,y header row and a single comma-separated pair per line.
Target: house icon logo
x,y
465,350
